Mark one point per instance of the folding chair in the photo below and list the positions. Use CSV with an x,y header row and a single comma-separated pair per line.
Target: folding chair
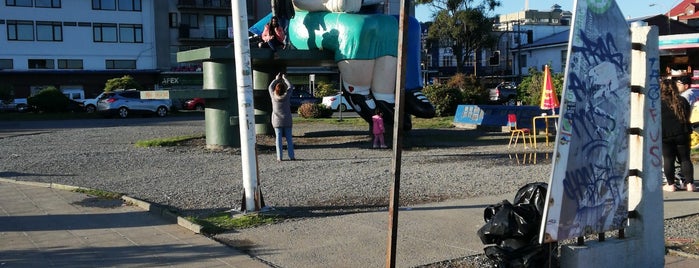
x,y
516,132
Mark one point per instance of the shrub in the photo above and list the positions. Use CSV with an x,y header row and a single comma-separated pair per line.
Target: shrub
x,y
6,92
124,82
324,89
445,99
49,100
470,87
531,85
314,110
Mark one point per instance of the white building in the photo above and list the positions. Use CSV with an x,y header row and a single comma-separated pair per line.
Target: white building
x,y
64,43
80,44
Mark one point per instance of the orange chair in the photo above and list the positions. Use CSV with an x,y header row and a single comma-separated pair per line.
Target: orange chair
x,y
516,132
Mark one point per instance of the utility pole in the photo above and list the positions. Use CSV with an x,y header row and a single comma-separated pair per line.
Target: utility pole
x,y
246,113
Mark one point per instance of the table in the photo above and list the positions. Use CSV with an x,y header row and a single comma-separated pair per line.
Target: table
x,y
546,119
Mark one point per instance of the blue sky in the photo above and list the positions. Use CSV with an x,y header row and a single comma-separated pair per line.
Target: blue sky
x,y
630,8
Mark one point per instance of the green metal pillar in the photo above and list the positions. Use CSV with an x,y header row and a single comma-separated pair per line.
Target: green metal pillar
x,y
221,115
262,77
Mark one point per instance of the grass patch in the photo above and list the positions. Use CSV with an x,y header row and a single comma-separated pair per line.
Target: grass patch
x,y
418,123
99,193
429,123
172,141
223,221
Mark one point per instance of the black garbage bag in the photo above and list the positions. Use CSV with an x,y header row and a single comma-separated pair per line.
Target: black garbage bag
x,y
529,255
533,194
511,231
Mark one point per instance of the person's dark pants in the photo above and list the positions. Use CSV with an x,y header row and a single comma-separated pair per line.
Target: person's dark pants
x,y
274,44
677,148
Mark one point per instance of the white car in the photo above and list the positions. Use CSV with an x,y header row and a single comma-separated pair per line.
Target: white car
x,y
90,105
333,102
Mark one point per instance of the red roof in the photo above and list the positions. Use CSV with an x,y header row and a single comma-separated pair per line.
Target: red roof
x,y
687,9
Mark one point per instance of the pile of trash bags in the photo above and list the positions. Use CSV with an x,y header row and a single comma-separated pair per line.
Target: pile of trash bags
x,y
511,230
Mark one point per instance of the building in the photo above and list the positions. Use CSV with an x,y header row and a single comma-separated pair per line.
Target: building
x,y
502,61
685,11
79,45
523,29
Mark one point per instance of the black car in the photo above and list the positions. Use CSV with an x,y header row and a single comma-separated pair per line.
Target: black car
x,y
503,93
299,96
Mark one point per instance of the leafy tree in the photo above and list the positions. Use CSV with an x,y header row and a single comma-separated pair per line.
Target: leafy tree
x,y
124,82
471,90
531,86
7,93
462,25
324,89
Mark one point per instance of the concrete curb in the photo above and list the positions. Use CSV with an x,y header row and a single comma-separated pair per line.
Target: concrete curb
x,y
682,254
150,207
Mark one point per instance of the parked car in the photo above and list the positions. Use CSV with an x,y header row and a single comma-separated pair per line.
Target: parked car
x,y
16,105
127,102
90,105
337,103
503,93
299,97
194,104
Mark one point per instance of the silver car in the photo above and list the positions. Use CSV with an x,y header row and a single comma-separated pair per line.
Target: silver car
x,y
127,102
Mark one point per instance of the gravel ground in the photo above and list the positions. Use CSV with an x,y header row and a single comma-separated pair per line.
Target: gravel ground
x,y
336,171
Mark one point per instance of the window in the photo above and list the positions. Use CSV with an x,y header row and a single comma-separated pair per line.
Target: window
x,y
564,59
522,61
221,24
40,64
173,20
447,61
190,19
70,64
6,64
120,64
49,31
470,60
130,33
19,3
104,32
104,4
130,5
20,30
48,3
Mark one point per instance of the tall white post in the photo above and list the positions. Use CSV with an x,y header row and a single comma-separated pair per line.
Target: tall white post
x,y
645,194
243,69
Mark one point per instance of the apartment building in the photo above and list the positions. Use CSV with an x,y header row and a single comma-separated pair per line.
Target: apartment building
x,y
80,44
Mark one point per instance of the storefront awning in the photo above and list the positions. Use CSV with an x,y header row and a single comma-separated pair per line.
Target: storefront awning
x,y
678,41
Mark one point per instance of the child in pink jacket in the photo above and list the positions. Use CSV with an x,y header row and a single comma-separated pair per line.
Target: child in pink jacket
x,y
378,130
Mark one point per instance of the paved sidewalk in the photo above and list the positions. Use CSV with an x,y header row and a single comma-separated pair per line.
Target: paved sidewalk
x,y
45,227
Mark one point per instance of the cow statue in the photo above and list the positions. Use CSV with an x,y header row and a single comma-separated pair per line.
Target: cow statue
x,y
366,50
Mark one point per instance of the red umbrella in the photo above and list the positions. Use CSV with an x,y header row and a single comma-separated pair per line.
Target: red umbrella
x,y
549,100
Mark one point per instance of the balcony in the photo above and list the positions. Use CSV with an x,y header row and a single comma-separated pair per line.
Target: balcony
x,y
209,5
203,36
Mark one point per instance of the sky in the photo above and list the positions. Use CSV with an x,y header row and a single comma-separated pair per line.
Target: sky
x,y
630,8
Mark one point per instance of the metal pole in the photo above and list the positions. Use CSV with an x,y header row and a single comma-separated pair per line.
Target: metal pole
x,y
243,68
397,136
